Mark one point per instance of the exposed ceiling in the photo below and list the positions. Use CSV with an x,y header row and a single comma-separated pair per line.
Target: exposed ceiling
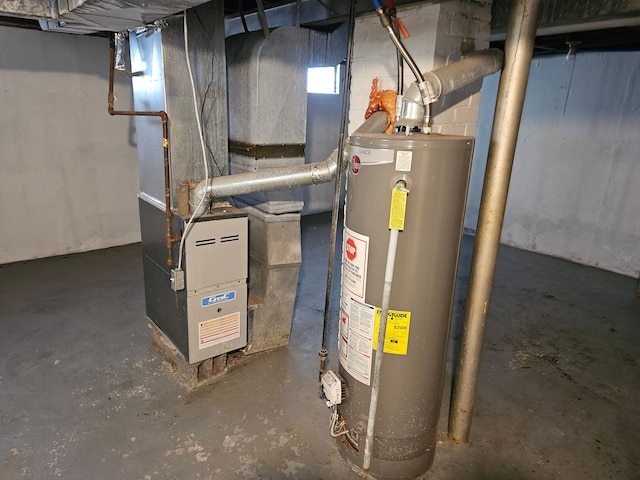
x,y
603,25
607,39
579,24
237,7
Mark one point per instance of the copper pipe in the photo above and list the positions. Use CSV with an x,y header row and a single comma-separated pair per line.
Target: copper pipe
x,y
170,239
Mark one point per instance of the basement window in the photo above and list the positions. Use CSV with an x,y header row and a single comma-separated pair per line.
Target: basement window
x,y
323,80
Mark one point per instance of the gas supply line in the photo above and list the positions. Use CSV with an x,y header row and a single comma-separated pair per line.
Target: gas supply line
x,y
387,23
429,87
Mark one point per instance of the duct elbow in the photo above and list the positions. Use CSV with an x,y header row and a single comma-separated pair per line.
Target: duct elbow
x,y
324,171
199,199
448,79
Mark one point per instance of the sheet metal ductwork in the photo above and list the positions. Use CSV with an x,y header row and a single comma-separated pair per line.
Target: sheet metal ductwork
x,y
91,16
267,80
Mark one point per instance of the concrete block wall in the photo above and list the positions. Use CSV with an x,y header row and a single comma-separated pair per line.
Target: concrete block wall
x,y
374,55
439,34
463,27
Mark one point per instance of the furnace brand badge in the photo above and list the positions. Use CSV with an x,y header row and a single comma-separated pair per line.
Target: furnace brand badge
x,y
219,298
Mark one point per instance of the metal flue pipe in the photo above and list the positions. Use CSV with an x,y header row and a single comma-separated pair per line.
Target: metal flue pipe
x,y
454,76
519,44
279,178
445,80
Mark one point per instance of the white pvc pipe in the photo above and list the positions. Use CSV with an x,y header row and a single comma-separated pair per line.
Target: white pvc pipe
x,y
382,330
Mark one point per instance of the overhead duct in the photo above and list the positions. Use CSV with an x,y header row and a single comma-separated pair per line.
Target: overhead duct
x,y
267,86
91,16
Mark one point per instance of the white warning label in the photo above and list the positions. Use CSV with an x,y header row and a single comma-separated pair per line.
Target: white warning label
x,y
218,330
403,160
355,254
372,156
355,337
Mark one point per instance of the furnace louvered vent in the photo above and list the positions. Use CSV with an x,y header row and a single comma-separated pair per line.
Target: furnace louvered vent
x,y
212,241
229,238
207,241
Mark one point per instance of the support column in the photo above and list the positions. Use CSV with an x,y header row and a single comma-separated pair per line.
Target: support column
x,y
511,92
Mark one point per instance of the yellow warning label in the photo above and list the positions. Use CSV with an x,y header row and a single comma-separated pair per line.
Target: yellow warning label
x,y
398,209
396,339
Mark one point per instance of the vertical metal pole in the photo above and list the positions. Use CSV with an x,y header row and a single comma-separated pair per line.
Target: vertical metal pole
x,y
337,186
521,34
263,18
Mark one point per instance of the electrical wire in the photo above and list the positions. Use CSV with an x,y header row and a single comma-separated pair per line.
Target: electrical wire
x,y
205,96
200,134
342,425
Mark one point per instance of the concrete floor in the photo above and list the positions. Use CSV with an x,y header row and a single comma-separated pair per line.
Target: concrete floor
x,y
83,395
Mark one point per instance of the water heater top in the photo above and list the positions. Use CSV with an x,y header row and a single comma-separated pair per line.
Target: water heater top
x,y
415,140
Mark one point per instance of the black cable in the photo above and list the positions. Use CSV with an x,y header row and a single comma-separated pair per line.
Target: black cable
x,y
207,90
338,186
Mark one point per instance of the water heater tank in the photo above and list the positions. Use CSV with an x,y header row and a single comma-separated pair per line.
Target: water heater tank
x,y
435,169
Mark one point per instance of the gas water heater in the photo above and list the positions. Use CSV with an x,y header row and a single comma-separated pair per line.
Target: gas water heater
x,y
434,170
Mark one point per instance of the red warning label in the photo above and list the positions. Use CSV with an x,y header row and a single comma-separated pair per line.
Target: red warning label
x,y
354,263
355,164
350,249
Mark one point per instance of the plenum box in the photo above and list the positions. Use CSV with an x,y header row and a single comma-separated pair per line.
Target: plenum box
x,y
275,256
